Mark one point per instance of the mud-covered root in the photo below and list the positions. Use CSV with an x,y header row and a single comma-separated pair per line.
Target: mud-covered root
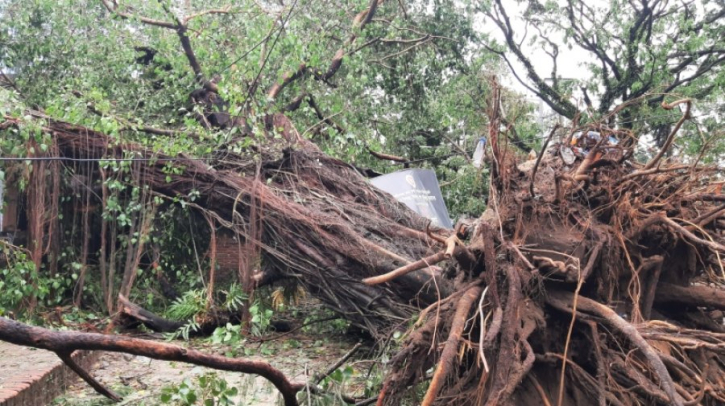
x,y
604,281
450,350
563,301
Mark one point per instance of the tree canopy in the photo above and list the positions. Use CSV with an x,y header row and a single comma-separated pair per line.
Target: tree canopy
x,y
405,78
633,50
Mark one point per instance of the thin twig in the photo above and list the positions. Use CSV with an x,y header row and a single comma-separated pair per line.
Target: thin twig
x,y
538,159
671,137
317,378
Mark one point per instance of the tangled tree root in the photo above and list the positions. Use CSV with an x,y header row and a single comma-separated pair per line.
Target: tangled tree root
x,y
604,285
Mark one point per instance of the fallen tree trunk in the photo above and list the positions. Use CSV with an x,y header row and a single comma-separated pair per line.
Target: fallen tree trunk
x,y
561,248
150,320
317,220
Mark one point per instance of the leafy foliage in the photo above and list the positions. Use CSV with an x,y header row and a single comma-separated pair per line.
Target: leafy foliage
x,y
209,389
20,281
189,305
261,318
234,297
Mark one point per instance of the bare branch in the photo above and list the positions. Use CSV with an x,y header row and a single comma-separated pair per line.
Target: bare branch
x,y
386,157
225,10
671,137
65,356
426,263
113,8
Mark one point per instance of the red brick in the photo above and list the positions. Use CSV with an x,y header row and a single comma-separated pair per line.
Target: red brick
x,y
34,383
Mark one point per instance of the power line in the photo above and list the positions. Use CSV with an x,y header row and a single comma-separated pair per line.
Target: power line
x,y
62,158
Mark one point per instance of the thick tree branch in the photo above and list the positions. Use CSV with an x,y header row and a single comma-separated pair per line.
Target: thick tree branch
x,y
64,342
550,96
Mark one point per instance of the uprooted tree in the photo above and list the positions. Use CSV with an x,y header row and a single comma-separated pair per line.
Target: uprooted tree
x,y
593,281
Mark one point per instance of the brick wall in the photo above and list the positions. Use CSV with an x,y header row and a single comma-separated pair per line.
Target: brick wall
x,y
227,257
32,386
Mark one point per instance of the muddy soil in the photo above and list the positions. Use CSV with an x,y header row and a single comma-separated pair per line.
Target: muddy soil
x,y
141,380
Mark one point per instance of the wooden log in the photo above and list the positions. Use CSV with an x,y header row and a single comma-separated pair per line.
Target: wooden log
x,y
150,320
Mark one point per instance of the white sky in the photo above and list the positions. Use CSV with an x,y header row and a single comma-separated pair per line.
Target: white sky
x,y
569,61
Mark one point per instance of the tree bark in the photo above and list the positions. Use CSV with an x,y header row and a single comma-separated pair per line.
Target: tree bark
x,y
149,319
698,296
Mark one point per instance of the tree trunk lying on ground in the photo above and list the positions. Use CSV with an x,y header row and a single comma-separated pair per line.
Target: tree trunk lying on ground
x,y
148,319
587,284
317,220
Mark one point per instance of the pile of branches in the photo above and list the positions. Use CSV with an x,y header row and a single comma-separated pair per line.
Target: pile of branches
x,y
598,281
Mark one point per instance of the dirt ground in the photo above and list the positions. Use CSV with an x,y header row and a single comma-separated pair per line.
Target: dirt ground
x,y
140,380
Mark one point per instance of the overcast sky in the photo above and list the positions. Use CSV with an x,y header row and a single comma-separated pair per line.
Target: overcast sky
x,y
569,60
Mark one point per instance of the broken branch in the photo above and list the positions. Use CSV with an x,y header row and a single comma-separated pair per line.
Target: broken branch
x,y
65,356
64,342
671,137
414,266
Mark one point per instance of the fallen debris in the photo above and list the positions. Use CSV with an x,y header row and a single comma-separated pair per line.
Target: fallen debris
x,y
586,282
